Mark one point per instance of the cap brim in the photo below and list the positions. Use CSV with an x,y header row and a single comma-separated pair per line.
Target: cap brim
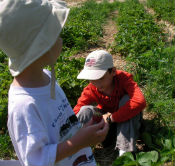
x,y
91,74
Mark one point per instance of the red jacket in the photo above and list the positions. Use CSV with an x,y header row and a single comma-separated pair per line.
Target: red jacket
x,y
124,84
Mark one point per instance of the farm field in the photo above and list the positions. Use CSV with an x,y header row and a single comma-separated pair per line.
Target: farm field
x,y
140,43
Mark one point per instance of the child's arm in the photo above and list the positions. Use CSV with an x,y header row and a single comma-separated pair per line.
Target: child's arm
x,y
89,135
86,98
136,102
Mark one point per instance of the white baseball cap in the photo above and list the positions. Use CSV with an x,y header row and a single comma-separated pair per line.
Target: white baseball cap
x,y
96,65
28,29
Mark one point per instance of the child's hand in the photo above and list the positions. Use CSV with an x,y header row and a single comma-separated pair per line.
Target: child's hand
x,y
91,133
105,116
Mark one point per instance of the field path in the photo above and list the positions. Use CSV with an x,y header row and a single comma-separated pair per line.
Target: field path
x,y
168,27
110,30
104,157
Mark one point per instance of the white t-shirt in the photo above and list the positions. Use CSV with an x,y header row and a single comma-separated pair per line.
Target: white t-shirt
x,y
37,124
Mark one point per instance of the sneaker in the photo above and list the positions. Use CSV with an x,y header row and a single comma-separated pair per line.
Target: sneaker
x,y
121,152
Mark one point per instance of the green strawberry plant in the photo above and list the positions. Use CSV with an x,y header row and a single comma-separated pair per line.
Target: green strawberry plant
x,y
142,159
150,158
164,9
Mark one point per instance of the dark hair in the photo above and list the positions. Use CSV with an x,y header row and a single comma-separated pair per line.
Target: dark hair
x,y
110,70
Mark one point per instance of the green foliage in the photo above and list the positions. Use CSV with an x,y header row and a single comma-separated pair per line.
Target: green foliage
x,y
160,90
6,147
147,158
142,159
84,26
67,70
137,30
2,57
165,9
5,80
125,160
142,41
147,139
150,158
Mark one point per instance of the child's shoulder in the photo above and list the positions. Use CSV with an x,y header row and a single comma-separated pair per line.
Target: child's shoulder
x,y
20,104
90,88
122,73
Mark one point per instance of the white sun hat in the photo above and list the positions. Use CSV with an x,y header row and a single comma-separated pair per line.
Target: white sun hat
x,y
28,29
96,65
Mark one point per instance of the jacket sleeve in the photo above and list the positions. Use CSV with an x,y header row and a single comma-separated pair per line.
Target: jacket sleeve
x,y
86,98
136,102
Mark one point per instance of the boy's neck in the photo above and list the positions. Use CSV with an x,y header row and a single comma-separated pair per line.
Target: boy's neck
x,y
31,79
110,90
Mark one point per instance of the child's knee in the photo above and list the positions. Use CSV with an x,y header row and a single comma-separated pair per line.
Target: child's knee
x,y
85,113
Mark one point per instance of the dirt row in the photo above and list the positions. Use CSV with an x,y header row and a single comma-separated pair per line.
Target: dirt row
x,y
110,30
168,27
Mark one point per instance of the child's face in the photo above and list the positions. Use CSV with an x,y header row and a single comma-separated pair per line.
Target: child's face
x,y
105,83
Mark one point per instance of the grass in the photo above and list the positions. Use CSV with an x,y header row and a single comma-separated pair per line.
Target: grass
x,y
7,150
165,9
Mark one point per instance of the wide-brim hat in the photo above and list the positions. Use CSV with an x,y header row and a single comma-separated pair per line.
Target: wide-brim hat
x,y
96,65
28,29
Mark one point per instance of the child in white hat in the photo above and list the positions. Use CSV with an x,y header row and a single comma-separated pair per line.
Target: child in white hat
x,y
116,96
43,127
